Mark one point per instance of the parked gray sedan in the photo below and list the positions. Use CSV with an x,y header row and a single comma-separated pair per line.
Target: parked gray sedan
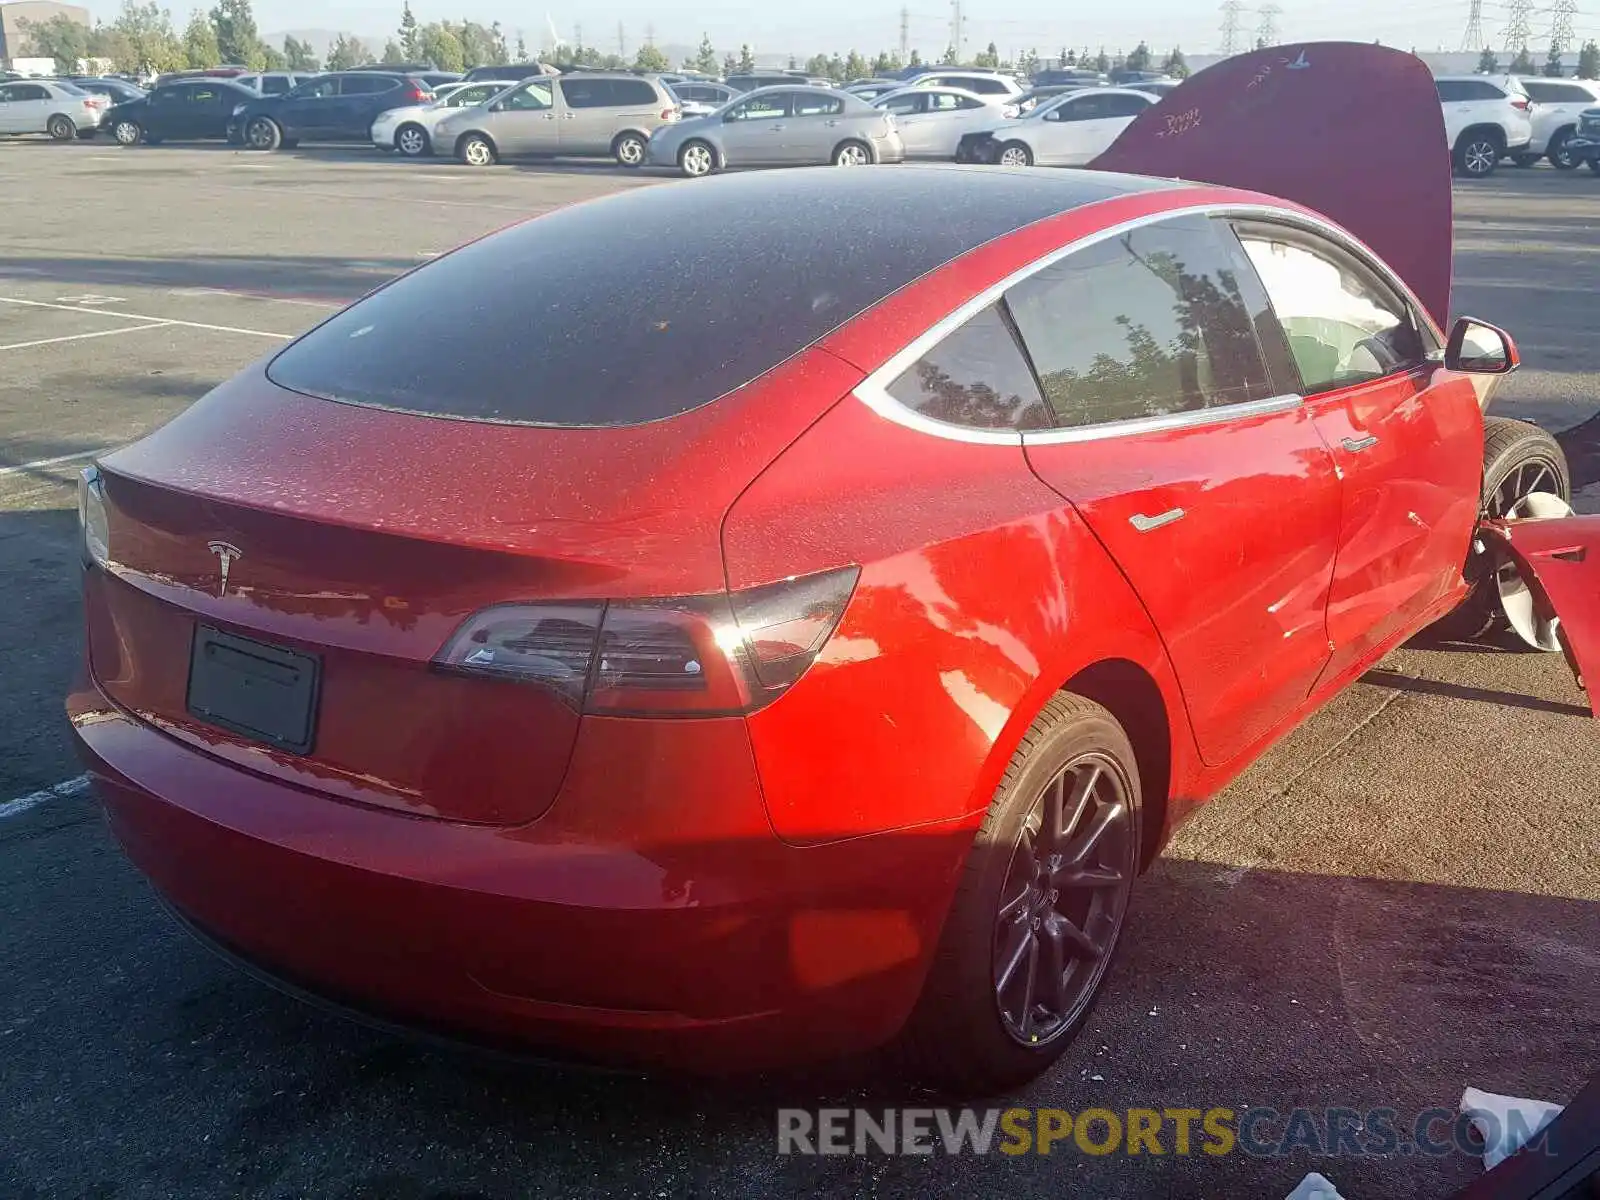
x,y
785,125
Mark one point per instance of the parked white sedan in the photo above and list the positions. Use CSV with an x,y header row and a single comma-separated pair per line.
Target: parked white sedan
x,y
933,120
50,106
1065,132
410,130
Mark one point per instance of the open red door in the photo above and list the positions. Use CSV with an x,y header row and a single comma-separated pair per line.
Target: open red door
x,y
1355,132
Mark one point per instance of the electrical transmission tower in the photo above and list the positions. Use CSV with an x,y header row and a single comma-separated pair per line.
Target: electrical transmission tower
x,y
1230,26
957,27
1517,26
1472,39
1267,25
905,33
622,42
1561,24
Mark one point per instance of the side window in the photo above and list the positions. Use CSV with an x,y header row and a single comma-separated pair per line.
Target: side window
x,y
1145,324
977,377
367,85
633,92
1084,108
5,94
530,97
761,108
1450,91
904,106
986,87
968,102
808,104
202,97
276,85
1125,106
586,93
318,89
1344,323
943,102
29,91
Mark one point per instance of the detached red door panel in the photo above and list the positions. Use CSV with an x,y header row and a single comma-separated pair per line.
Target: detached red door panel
x,y
1406,435
1214,495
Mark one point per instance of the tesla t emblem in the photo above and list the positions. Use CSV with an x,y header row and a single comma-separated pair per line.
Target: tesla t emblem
x,y
225,553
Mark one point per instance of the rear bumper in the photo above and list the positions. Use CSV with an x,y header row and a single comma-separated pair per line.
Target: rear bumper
x,y
650,919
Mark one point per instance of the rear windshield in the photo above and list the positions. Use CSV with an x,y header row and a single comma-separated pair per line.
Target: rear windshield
x,y
654,301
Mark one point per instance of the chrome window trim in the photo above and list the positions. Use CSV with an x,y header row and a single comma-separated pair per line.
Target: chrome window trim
x,y
873,391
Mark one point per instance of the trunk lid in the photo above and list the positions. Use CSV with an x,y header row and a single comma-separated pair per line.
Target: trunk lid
x,y
357,540
1299,122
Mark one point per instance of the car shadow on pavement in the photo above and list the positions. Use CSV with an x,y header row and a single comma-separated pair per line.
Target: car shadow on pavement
x,y
1457,691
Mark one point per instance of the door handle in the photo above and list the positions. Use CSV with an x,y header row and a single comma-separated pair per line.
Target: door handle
x,y
1145,524
1355,444
549,116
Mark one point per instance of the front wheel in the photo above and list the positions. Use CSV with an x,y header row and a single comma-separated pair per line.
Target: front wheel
x,y
263,133
60,128
1560,157
1519,460
1015,154
629,150
852,154
476,151
127,133
697,159
1477,155
412,141
1039,911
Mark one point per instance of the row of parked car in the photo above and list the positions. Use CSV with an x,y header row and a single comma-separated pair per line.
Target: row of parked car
x,y
698,125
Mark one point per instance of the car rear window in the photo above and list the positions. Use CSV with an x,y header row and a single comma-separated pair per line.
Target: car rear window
x,y
655,301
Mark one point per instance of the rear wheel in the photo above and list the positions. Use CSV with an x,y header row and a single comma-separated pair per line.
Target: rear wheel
x,y
1478,152
263,133
412,141
1015,154
476,150
629,150
127,133
1519,459
60,128
852,154
1560,157
697,159
1039,911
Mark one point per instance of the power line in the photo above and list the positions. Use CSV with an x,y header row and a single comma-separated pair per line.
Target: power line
x,y
1472,39
1267,25
1230,25
905,33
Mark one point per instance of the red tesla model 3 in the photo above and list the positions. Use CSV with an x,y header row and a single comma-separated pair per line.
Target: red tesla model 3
x,y
735,622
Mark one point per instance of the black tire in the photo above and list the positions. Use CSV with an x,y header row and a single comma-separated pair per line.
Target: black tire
x,y
412,141
852,152
1016,150
697,159
961,1037
60,127
475,150
1556,151
1477,152
127,133
629,150
263,133
1518,458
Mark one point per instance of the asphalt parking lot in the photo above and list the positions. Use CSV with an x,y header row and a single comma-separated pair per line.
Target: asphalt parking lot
x,y
1401,900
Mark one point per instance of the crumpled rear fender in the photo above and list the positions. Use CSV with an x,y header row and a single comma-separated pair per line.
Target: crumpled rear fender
x,y
1559,560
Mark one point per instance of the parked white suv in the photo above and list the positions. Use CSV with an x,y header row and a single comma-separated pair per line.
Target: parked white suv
x,y
982,83
1556,105
1486,118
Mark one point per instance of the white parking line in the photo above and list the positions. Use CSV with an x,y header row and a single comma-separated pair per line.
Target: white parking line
x,y
203,291
128,316
15,808
78,337
40,464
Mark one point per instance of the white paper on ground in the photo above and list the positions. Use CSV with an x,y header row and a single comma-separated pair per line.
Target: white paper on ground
x,y
1314,1187
1506,1123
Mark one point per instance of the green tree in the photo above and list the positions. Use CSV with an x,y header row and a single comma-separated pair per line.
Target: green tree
x,y
394,54
1138,58
817,64
479,46
730,65
60,38
705,59
1552,64
1028,64
916,59
298,55
200,47
1589,60
497,41
988,57
1102,62
1175,65
856,67
437,43
1488,62
650,58
408,35
141,40
347,52
1522,64
747,60
272,59
238,40
949,57
522,48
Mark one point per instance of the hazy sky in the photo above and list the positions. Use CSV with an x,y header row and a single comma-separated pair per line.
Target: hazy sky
x,y
811,25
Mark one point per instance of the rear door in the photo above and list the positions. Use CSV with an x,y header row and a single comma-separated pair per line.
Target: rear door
x,y
814,128
1210,488
594,110
362,98
1405,435
11,108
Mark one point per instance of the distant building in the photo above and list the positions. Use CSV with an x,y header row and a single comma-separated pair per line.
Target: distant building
x,y
14,38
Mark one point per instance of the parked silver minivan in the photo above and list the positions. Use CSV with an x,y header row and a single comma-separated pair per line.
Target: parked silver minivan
x,y
582,113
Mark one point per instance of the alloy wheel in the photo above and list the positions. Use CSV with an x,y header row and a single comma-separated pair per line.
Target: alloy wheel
x,y
477,153
1013,156
1064,899
1480,157
126,133
259,135
412,141
1535,475
696,160
851,156
630,152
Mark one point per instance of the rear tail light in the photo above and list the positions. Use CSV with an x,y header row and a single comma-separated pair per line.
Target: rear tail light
x,y
689,656
417,96
1521,102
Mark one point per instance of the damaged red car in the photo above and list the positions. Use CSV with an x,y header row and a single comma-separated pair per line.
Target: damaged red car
x,y
727,624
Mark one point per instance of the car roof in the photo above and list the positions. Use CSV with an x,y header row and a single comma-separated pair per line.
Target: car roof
x,y
983,97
